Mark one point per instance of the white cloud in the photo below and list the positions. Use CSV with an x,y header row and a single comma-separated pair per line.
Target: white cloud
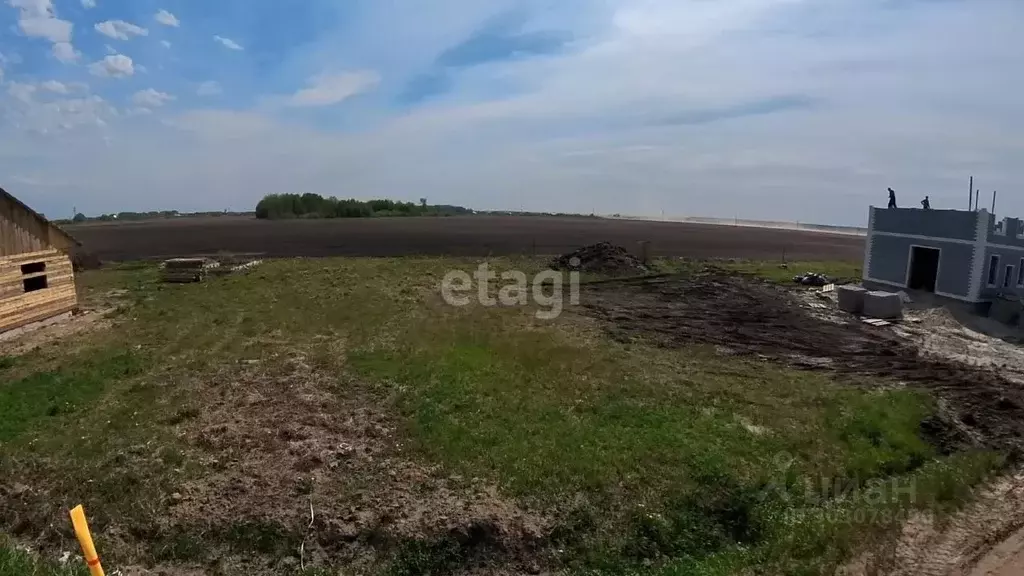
x,y
150,98
120,30
228,43
209,88
165,43
113,66
21,91
38,19
89,3
167,19
327,89
65,52
33,8
53,29
54,86
61,115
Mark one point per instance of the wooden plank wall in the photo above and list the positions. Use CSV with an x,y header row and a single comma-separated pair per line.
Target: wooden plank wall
x,y
17,307
21,232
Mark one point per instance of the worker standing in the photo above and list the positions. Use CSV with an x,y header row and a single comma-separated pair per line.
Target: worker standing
x,y
926,204
892,198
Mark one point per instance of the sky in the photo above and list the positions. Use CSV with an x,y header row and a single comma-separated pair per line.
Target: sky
x,y
796,110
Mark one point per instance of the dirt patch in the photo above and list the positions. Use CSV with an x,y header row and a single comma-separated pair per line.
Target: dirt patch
x,y
961,545
600,258
313,466
943,333
745,315
23,341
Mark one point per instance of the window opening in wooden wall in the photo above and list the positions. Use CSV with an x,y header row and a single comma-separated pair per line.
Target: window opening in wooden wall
x,y
37,282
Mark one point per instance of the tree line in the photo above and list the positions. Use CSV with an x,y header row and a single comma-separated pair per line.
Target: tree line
x,y
281,206
80,218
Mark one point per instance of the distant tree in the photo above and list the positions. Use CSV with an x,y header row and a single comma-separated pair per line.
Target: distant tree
x,y
79,217
277,206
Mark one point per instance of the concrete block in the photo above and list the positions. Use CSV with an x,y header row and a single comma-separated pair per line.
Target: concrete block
x,y
851,298
882,305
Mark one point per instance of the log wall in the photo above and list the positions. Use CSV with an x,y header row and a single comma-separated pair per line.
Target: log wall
x,y
23,299
21,231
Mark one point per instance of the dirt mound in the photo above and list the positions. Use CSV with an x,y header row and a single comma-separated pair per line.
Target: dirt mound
x,y
600,258
84,260
748,316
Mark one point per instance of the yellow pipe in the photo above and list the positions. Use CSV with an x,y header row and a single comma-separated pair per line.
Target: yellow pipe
x,y
92,560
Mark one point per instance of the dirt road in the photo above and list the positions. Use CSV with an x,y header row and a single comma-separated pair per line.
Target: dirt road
x,y
457,236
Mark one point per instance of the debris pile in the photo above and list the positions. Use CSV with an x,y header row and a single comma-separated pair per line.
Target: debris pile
x,y
83,260
600,258
231,267
198,269
811,279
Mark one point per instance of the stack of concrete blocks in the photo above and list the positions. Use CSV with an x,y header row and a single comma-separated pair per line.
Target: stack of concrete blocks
x,y
883,305
851,298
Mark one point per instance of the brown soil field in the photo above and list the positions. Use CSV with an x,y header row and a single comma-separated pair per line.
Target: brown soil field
x,y
459,236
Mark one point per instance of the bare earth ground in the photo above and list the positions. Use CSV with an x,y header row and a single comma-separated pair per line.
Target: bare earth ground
x,y
455,236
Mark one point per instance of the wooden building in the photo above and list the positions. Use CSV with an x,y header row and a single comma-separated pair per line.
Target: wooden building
x,y
37,279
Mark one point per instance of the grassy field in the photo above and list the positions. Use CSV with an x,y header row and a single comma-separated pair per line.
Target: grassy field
x,y
627,458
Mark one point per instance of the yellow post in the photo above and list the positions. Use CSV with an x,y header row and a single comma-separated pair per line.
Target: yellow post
x,y
92,560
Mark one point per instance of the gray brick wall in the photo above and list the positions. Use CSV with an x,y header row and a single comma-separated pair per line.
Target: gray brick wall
x,y
1007,256
958,224
1009,237
890,257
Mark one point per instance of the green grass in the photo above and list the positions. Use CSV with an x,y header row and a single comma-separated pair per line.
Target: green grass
x,y
15,561
652,460
52,395
675,451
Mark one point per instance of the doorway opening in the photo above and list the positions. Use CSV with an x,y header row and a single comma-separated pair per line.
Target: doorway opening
x,y
924,268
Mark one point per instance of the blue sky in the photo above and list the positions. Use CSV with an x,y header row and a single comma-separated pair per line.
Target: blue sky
x,y
777,109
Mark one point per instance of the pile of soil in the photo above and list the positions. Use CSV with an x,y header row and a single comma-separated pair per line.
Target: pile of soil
x,y
84,260
600,258
748,316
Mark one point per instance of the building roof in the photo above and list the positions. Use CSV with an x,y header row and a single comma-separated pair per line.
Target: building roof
x,y
5,195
